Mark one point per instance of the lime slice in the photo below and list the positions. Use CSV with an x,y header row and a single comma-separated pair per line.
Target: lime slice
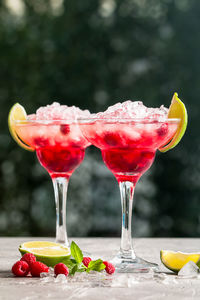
x,y
174,261
47,252
176,110
17,112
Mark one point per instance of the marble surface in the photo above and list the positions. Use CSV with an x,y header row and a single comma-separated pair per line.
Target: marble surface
x,y
163,285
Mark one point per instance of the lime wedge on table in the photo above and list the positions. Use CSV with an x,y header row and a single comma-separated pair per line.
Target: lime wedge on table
x,y
174,261
176,110
17,112
47,252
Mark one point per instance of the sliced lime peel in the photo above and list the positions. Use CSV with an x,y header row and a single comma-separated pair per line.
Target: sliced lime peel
x,y
177,110
17,112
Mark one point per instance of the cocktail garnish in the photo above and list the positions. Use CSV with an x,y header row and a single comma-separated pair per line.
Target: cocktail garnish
x,y
59,256
177,110
75,264
17,112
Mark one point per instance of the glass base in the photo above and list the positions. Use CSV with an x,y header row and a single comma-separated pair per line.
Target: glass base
x,y
134,264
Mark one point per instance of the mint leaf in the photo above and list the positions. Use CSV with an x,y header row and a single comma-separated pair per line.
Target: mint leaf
x,y
81,268
70,265
96,265
77,268
73,260
73,270
76,252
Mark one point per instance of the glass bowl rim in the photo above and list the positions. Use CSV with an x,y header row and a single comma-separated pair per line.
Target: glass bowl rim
x,y
92,120
46,122
124,120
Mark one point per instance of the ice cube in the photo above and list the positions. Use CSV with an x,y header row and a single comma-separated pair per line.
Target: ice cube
x,y
60,278
189,269
51,271
44,274
47,274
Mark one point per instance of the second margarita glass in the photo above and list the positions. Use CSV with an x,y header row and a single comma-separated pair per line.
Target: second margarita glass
x,y
128,147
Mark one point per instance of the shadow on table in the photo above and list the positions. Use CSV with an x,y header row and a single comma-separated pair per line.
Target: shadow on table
x,y
6,274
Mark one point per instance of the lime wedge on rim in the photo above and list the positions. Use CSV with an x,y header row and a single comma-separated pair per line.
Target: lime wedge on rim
x,y
17,112
177,110
174,261
47,252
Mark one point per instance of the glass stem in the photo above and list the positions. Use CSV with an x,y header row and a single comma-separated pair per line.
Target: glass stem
x,y
60,185
126,191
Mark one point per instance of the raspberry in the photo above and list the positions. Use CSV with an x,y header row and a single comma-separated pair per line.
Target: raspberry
x,y
110,269
64,129
40,142
86,261
162,130
61,269
38,267
29,258
20,268
111,139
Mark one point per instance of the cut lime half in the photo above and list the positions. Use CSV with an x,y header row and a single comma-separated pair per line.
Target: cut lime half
x,y
47,252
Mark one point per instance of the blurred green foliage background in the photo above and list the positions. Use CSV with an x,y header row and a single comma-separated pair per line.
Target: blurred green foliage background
x,y
92,54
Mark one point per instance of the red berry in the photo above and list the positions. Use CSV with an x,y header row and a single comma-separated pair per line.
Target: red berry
x,y
61,269
64,129
111,139
29,258
38,267
86,261
162,130
20,268
110,269
40,142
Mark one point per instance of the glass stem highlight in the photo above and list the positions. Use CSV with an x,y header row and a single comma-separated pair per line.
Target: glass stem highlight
x,y
60,185
126,191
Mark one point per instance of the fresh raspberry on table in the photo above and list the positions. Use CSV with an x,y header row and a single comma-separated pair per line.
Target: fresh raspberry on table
x,y
29,258
86,261
61,269
38,267
110,269
20,268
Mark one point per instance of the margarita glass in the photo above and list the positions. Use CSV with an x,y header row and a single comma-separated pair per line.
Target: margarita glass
x,y
128,147
60,148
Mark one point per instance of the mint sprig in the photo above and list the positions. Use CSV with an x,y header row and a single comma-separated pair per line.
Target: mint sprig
x,y
75,264
96,265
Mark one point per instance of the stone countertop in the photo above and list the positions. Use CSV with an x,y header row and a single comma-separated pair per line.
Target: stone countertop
x,y
149,286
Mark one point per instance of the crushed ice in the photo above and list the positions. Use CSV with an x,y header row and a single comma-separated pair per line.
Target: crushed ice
x,y
101,279
136,109
61,278
55,111
127,109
